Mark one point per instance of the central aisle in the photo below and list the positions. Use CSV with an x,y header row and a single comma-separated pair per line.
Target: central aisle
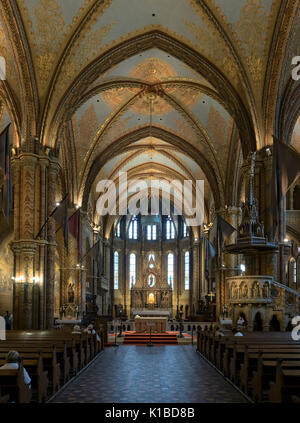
x,y
134,374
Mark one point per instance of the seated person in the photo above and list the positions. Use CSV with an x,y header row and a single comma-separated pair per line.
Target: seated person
x,y
76,329
219,332
90,329
12,362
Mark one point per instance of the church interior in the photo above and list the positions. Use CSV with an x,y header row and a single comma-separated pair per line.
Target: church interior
x,y
175,91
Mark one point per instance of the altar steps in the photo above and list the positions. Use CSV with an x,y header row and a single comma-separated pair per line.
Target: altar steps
x,y
156,339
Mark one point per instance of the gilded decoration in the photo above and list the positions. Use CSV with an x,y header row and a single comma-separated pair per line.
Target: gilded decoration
x,y
84,130
218,129
156,72
48,32
5,51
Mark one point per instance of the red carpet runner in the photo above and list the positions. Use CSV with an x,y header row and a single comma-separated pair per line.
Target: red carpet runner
x,y
144,338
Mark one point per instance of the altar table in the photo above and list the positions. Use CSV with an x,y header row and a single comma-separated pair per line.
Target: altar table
x,y
157,324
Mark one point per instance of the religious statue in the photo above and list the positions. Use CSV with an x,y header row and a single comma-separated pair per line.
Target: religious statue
x,y
151,281
71,293
165,299
245,291
225,311
234,291
266,291
256,291
138,300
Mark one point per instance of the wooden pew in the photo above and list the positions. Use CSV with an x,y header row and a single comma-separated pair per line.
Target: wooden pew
x,y
256,363
33,362
4,399
238,357
50,363
233,351
287,383
63,357
12,383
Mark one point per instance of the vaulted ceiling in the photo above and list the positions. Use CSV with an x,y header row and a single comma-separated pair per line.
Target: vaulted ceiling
x,y
177,88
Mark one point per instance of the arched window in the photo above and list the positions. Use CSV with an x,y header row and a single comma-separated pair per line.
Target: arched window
x,y
151,257
171,270
170,229
151,232
187,270
185,231
116,270
118,230
133,228
132,269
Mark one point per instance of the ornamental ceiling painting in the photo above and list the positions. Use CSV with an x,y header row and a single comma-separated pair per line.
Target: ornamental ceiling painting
x,y
176,87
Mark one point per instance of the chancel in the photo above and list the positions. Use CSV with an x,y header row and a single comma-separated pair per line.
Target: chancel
x,y
150,195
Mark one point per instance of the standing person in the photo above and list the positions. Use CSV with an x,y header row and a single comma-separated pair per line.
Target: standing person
x,y
7,319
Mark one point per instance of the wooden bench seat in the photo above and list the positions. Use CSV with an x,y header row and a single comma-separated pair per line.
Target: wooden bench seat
x,y
50,363
286,384
12,384
251,361
51,356
33,363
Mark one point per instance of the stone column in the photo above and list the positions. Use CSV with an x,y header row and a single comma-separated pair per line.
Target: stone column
x,y
51,236
23,247
29,215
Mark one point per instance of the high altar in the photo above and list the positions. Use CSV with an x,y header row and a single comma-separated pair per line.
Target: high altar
x,y
151,296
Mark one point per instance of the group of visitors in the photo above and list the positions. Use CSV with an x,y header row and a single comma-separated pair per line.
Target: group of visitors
x,y
234,331
89,329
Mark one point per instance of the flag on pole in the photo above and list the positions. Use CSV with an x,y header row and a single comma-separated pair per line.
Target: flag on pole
x,y
74,228
95,253
5,165
285,169
210,253
219,232
60,214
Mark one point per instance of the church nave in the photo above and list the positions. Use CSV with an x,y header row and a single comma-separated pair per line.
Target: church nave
x,y
136,374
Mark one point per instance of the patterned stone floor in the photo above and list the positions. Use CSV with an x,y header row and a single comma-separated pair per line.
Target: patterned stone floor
x,y
175,374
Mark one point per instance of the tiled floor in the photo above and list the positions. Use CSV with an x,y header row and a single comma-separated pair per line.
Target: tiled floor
x,y
157,375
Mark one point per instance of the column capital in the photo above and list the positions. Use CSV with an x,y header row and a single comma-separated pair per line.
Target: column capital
x,y
27,245
234,210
